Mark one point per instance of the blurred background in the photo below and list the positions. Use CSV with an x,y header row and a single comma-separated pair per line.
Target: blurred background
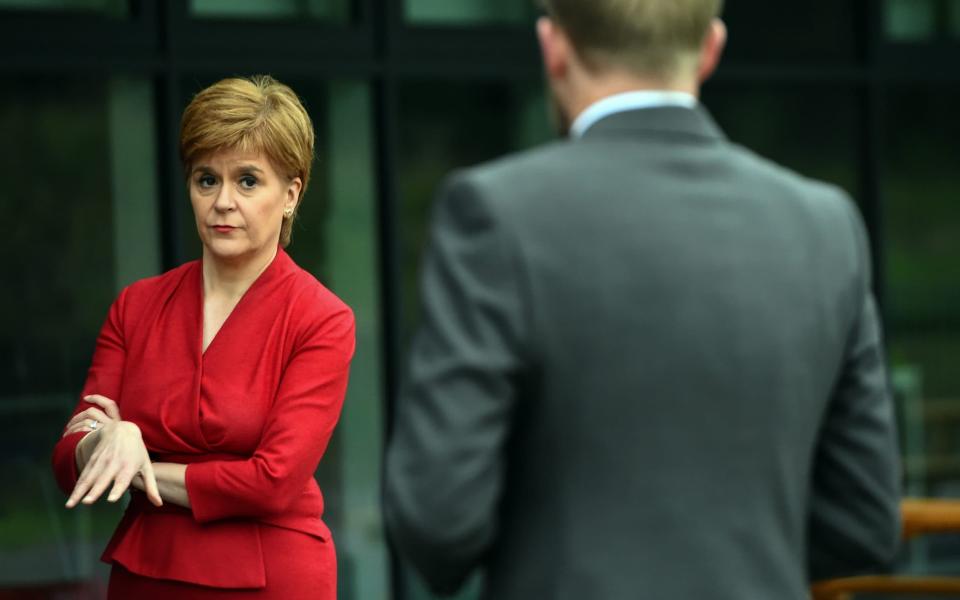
x,y
862,93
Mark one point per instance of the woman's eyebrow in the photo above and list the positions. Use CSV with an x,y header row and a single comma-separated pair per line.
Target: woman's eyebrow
x,y
249,168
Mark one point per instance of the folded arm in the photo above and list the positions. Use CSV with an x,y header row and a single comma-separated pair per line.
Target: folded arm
x,y
86,463
105,378
298,428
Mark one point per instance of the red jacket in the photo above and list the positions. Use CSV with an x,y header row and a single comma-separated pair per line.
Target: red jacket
x,y
251,416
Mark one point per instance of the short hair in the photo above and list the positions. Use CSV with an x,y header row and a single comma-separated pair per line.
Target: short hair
x,y
648,37
256,114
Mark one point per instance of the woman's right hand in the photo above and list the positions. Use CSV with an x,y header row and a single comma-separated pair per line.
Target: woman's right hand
x,y
119,455
93,418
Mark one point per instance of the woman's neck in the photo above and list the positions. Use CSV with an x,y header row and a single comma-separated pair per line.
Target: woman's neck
x,y
231,279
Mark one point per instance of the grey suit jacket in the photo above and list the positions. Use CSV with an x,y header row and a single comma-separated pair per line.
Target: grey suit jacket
x,y
650,366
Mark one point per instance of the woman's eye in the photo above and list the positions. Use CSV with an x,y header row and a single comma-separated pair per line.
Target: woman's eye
x,y
206,181
248,182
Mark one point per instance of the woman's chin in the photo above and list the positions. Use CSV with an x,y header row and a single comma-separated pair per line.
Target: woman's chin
x,y
228,250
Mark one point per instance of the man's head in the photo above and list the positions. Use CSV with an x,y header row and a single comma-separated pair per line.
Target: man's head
x,y
593,48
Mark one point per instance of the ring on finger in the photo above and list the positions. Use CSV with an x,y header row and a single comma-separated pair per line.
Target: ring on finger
x,y
94,424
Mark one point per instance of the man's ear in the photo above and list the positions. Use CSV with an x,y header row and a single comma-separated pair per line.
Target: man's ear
x,y
554,47
711,51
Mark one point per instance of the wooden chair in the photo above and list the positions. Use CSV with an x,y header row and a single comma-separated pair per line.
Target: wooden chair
x,y
920,517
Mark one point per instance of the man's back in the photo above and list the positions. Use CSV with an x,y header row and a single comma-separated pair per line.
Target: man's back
x,y
652,365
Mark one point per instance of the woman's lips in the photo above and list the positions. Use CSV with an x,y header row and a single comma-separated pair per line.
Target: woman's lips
x,y
223,228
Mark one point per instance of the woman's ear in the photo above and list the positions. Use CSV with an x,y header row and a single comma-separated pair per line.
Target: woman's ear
x,y
293,194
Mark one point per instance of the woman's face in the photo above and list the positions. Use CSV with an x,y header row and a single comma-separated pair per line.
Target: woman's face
x,y
239,201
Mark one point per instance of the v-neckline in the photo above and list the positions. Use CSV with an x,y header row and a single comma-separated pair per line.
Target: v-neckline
x,y
201,295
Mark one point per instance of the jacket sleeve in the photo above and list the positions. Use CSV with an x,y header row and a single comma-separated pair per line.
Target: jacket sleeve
x,y
105,377
445,462
854,522
295,436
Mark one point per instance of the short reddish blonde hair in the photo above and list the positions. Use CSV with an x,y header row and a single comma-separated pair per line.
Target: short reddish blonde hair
x,y
257,114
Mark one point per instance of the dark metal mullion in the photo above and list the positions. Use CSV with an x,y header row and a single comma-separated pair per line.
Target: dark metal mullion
x,y
64,34
172,201
386,121
871,126
386,19
871,190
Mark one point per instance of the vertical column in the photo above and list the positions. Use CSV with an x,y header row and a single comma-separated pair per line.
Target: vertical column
x,y
353,268
133,145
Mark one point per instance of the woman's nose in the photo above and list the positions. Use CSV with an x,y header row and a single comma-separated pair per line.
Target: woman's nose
x,y
224,201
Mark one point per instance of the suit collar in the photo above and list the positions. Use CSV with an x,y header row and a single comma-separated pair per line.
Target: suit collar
x,y
663,120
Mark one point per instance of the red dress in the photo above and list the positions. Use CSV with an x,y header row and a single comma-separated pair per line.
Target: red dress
x,y
251,417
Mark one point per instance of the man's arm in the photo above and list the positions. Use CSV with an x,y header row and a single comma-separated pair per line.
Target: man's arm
x,y
854,507
445,463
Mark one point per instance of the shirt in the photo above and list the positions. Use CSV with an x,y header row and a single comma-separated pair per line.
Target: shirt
x,y
628,101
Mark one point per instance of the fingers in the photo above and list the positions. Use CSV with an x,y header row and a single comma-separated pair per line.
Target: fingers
x,y
84,418
108,405
82,426
99,485
90,474
117,459
120,484
150,481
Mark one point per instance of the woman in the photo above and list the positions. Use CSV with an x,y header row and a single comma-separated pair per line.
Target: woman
x,y
215,387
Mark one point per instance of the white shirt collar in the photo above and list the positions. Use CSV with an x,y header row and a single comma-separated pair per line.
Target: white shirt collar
x,y
628,101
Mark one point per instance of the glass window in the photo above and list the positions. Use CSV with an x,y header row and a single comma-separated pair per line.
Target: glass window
x,y
954,19
910,20
324,10
109,7
799,31
921,21
436,139
80,164
921,241
811,130
335,239
468,12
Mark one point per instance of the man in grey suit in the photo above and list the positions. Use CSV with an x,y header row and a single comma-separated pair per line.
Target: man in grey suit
x,y
650,363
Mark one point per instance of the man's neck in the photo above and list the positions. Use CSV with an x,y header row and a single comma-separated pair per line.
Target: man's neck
x,y
594,89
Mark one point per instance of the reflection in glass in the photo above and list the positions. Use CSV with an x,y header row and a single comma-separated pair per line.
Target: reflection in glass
x,y
810,130
80,196
468,12
335,239
954,19
796,31
324,10
922,242
114,8
910,20
436,139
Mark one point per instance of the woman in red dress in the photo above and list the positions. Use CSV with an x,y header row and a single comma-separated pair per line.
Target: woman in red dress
x,y
215,387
